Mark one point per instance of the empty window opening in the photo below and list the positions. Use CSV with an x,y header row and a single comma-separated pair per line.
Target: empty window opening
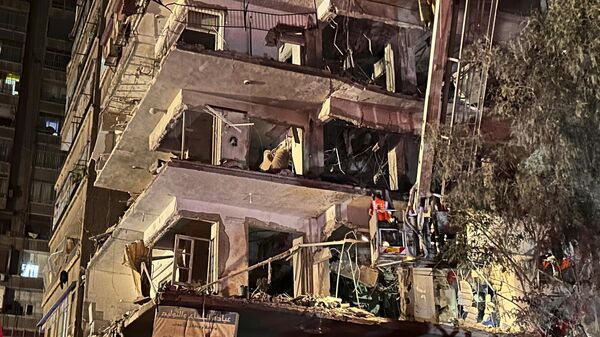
x,y
198,39
204,30
263,244
357,156
356,48
198,142
275,148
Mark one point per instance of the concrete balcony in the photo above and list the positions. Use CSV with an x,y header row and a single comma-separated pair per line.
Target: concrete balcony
x,y
19,323
234,199
20,282
267,89
24,243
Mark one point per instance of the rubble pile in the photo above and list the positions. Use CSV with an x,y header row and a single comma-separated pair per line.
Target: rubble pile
x,y
329,304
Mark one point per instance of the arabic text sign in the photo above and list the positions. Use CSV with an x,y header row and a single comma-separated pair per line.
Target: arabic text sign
x,y
190,322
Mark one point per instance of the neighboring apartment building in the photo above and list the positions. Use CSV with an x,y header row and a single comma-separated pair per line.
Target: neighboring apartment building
x,y
34,52
208,137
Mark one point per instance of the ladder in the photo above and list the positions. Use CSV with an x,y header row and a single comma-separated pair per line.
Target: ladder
x,y
465,107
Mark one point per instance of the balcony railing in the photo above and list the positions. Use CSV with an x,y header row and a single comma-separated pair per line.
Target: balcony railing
x,y
256,23
11,53
266,21
47,158
71,183
42,193
13,21
56,61
5,149
64,4
60,99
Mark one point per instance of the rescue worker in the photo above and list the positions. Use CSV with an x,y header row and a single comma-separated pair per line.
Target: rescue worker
x,y
384,217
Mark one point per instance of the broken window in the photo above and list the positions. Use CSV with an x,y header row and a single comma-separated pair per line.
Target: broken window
x,y
204,30
197,142
196,38
211,135
191,262
278,277
188,259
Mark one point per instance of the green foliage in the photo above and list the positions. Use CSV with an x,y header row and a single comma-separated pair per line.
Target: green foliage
x,y
545,183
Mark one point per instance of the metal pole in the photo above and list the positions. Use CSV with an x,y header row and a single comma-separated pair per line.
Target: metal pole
x,y
183,120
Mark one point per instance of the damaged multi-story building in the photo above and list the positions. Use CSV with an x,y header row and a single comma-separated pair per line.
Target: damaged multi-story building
x,y
231,150
34,52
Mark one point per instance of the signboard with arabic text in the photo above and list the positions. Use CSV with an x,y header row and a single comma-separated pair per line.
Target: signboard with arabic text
x,y
191,322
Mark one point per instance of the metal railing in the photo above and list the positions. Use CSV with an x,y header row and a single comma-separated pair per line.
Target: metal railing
x,y
53,96
64,4
48,158
11,53
56,61
5,149
248,19
12,20
42,192
267,21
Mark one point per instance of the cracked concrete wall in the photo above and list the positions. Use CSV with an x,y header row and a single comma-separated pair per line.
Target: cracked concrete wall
x,y
353,214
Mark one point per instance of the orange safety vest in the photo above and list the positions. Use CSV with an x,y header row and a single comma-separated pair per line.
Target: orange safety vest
x,y
380,205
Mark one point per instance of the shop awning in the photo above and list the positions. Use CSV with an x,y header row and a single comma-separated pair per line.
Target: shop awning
x,y
56,304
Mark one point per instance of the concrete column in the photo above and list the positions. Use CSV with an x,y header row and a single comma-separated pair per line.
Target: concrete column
x,y
237,233
27,113
314,148
397,165
404,61
313,48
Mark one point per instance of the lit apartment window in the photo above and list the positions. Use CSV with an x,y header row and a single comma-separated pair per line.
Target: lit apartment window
x,y
32,262
9,83
49,124
29,270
